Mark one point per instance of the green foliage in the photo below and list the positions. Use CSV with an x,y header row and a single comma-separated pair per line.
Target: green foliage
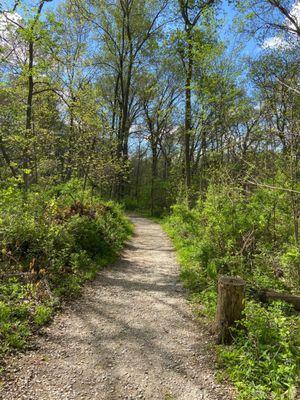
x,y
59,238
14,314
236,232
43,314
262,363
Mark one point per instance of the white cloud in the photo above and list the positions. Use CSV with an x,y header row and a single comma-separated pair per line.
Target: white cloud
x,y
8,24
295,12
281,43
275,42
11,44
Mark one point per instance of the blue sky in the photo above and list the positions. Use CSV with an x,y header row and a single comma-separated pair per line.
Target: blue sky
x,y
227,33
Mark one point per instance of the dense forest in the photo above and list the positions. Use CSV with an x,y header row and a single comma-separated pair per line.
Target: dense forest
x,y
184,111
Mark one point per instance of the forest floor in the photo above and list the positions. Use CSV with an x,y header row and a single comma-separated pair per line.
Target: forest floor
x,y
131,335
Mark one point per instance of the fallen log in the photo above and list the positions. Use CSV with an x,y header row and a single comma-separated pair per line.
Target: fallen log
x,y
27,276
269,295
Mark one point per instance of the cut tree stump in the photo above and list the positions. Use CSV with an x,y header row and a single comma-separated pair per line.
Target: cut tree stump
x,y
231,296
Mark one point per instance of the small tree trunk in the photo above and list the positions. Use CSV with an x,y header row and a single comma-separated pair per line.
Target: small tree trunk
x,y
231,295
7,159
28,131
188,115
153,176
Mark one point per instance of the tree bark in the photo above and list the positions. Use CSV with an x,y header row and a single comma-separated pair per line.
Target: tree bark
x,y
28,127
269,295
231,295
153,175
188,111
7,159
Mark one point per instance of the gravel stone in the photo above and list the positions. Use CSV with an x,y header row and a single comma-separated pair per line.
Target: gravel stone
x,y
130,336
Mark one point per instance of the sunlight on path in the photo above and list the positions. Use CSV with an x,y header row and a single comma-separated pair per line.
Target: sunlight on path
x,y
131,336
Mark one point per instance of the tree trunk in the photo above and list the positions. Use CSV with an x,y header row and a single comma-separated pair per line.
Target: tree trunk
x,y
7,159
231,295
153,175
71,146
28,126
188,114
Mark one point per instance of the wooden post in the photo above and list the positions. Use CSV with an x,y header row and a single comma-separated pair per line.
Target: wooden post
x,y
231,295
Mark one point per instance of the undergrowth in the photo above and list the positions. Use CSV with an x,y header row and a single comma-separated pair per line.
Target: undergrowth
x,y
51,243
228,233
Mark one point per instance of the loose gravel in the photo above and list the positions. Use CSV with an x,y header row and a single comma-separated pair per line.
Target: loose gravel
x,y
131,335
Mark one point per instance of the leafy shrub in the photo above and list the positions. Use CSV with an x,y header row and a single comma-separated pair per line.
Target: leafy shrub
x,y
236,232
88,235
290,263
42,314
14,314
61,237
262,363
232,232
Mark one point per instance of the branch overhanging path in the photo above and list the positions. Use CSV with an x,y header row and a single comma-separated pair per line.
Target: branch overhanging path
x,y
130,336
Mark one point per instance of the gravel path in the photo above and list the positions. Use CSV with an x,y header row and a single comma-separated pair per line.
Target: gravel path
x,y
130,336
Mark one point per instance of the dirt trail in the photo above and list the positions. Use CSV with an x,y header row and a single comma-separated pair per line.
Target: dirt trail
x,y
130,336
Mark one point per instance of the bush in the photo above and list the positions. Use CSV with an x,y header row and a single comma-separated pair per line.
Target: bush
x,y
88,235
60,237
236,232
262,363
42,314
15,313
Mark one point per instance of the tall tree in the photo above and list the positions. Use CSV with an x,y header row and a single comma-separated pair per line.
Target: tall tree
x,y
190,12
126,30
